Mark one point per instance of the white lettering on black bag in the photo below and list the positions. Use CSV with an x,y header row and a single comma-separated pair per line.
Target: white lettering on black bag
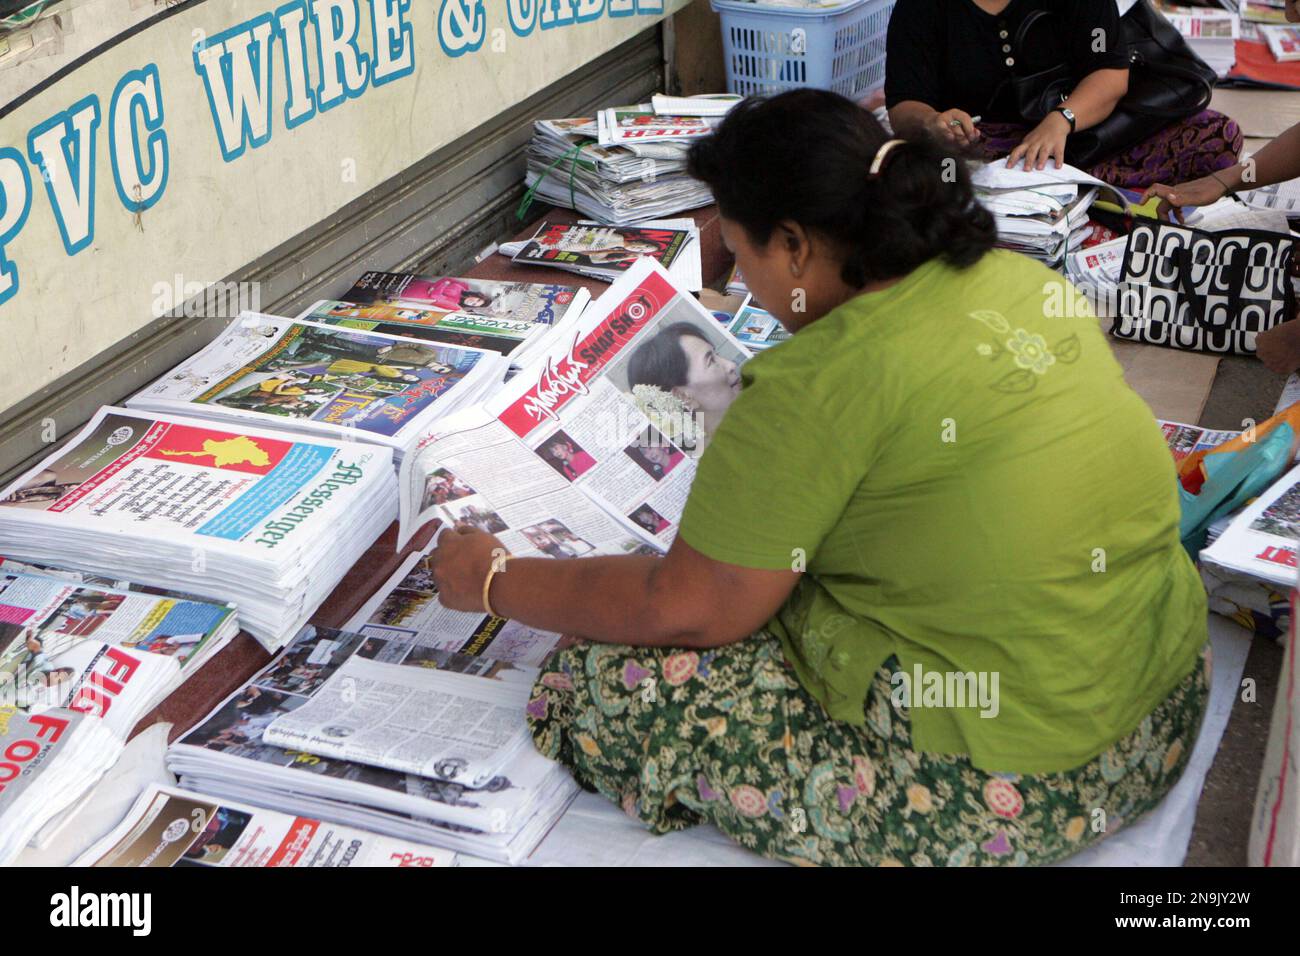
x,y
1205,291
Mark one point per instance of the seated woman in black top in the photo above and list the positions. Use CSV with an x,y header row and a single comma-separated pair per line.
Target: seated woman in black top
x,y
949,67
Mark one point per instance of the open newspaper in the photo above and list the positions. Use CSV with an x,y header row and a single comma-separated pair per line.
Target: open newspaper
x,y
257,518
396,702
225,755
1261,540
592,449
406,608
323,380
167,827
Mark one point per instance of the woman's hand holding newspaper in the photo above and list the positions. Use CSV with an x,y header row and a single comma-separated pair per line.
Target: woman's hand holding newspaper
x,y
461,563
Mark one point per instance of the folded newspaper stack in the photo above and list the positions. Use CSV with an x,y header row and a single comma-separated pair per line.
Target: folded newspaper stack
x,y
625,164
112,652
227,756
606,252
1095,271
260,519
167,827
1040,212
52,759
510,318
106,653
1260,542
1212,34
324,380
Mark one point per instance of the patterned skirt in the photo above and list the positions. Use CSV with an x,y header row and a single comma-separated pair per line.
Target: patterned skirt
x,y
1190,149
730,736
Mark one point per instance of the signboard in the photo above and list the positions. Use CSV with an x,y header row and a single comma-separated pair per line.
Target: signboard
x,y
212,135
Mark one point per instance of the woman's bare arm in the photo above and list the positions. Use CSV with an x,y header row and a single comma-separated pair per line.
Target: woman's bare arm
x,y
684,599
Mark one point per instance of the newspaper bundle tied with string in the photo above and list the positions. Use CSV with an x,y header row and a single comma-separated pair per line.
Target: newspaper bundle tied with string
x,y
625,164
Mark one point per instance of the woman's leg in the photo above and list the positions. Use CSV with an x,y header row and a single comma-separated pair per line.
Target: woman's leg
x,y
1190,149
730,736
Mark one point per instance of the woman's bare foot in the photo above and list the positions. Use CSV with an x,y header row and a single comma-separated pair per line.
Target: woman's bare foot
x,y
1279,347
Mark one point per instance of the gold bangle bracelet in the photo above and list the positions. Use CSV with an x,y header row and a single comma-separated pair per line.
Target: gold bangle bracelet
x,y
498,564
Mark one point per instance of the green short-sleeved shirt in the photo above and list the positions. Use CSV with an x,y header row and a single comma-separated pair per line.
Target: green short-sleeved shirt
x,y
973,488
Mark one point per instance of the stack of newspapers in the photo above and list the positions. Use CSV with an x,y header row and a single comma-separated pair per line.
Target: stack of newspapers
x,y
625,164
605,252
1040,212
59,755
324,380
1212,34
390,733
1096,271
512,319
80,664
169,827
1259,543
264,520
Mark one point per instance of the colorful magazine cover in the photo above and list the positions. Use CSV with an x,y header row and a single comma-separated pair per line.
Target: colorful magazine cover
x,y
264,366
756,328
415,298
600,248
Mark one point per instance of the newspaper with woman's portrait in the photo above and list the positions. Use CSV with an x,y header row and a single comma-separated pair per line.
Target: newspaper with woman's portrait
x,y
592,449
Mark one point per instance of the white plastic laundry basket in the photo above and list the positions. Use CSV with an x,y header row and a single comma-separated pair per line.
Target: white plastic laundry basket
x,y
769,49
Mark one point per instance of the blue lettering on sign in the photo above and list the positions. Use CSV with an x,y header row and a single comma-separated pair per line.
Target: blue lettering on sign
x,y
15,194
461,26
63,149
237,68
138,92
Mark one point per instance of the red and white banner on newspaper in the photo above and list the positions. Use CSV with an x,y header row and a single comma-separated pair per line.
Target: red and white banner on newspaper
x,y
561,380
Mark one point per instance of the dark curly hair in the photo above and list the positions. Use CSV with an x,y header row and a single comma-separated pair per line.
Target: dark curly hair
x,y
804,156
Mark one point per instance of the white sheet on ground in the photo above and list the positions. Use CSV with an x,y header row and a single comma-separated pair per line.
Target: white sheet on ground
x,y
1161,837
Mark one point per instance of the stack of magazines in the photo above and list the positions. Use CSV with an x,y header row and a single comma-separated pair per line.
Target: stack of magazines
x,y
510,318
606,252
625,164
80,664
261,519
317,379
387,733
1042,213
169,827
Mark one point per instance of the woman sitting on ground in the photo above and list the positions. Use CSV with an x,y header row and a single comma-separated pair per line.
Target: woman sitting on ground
x,y
951,61
927,604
